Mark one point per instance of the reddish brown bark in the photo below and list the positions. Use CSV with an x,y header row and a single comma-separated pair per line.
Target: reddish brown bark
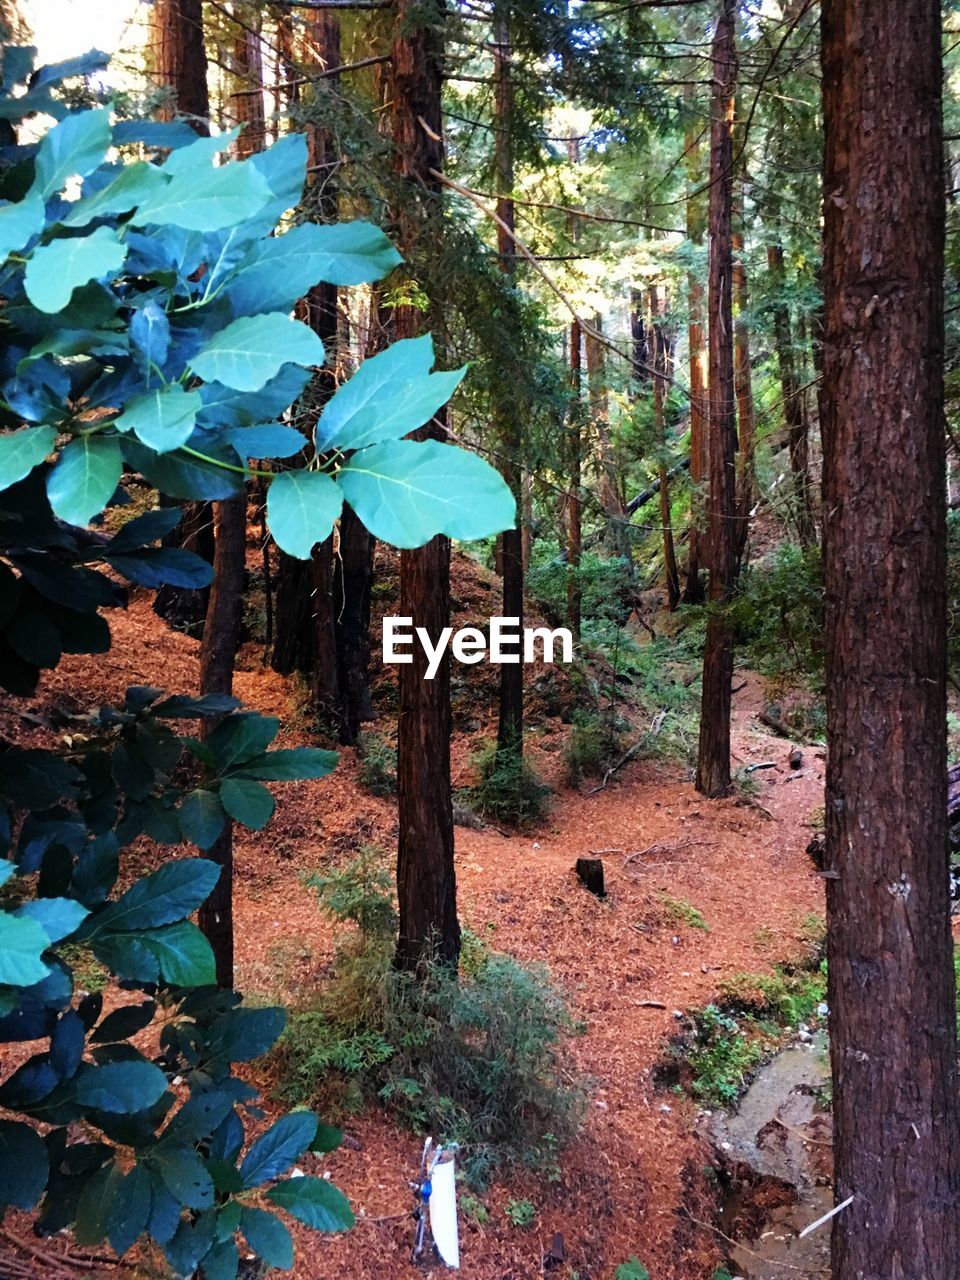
x,y
891,984
713,761
662,358
573,504
179,60
693,592
794,412
746,423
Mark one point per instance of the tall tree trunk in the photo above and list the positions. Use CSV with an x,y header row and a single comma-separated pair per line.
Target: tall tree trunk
x,y
661,362
221,628
891,984
507,420
746,479
640,373
693,592
713,762
426,879
793,409
352,585
615,535
180,64
574,503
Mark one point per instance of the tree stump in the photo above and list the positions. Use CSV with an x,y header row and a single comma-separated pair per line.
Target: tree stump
x,y
590,874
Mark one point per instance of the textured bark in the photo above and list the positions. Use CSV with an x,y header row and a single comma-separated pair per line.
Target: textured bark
x,y
426,879
573,504
638,344
746,478
352,584
662,358
891,985
507,420
693,592
713,761
615,535
793,407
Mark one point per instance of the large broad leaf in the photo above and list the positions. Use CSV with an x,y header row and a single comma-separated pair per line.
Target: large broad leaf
x,y
204,199
301,508
19,223
95,1204
389,395
130,1209
247,802
268,440
22,942
406,492
315,1202
120,1087
150,334
243,1034
240,738
164,418
21,451
170,894
84,478
275,1151
74,147
158,566
182,953
57,268
57,917
290,765
183,477
267,1237
184,1175
201,817
161,134
24,1165
278,271
247,353
132,184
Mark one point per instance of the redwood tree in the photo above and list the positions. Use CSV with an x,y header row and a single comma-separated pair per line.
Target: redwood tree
x,y
891,984
713,762
426,880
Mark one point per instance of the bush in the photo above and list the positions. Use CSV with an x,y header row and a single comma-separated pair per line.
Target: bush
x,y
779,616
507,788
594,743
378,765
474,1057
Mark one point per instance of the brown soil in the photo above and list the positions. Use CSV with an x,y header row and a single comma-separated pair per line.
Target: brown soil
x,y
636,1181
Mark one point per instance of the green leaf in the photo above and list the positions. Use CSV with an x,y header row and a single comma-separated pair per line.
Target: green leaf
x,y
328,1138
22,942
19,223
389,395
221,1262
21,451
123,1023
96,1203
183,954
292,764
241,737
278,271
132,184
275,1151
248,352
56,269
84,478
406,492
301,509
202,198
7,870
184,1175
73,148
315,1202
163,897
24,1165
267,1237
57,917
243,1034
247,802
164,418
129,1210
201,817
120,1087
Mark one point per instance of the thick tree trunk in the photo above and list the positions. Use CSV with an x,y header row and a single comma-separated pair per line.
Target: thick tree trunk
x,y
746,478
508,423
713,762
426,879
891,984
573,504
793,408
615,536
352,584
662,357
180,64
693,592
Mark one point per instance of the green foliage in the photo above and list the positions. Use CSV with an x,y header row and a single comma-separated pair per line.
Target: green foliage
x,y
679,911
778,614
377,772
722,1056
507,789
632,1269
521,1213
593,745
785,997
475,1058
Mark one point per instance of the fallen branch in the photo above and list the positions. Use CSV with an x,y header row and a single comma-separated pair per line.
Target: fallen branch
x,y
765,764
614,768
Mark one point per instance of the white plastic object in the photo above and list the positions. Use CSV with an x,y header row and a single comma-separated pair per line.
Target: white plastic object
x,y
443,1208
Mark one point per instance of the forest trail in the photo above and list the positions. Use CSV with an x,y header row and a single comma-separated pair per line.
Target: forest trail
x,y
743,865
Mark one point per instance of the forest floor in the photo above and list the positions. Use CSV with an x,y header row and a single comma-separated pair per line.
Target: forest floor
x,y
637,1181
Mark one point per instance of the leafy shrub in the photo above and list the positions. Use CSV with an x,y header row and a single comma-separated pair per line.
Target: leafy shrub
x,y
378,765
632,1269
521,1213
474,1058
593,744
507,789
779,614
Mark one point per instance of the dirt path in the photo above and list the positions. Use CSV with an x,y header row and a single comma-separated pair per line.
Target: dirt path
x,y
637,1161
